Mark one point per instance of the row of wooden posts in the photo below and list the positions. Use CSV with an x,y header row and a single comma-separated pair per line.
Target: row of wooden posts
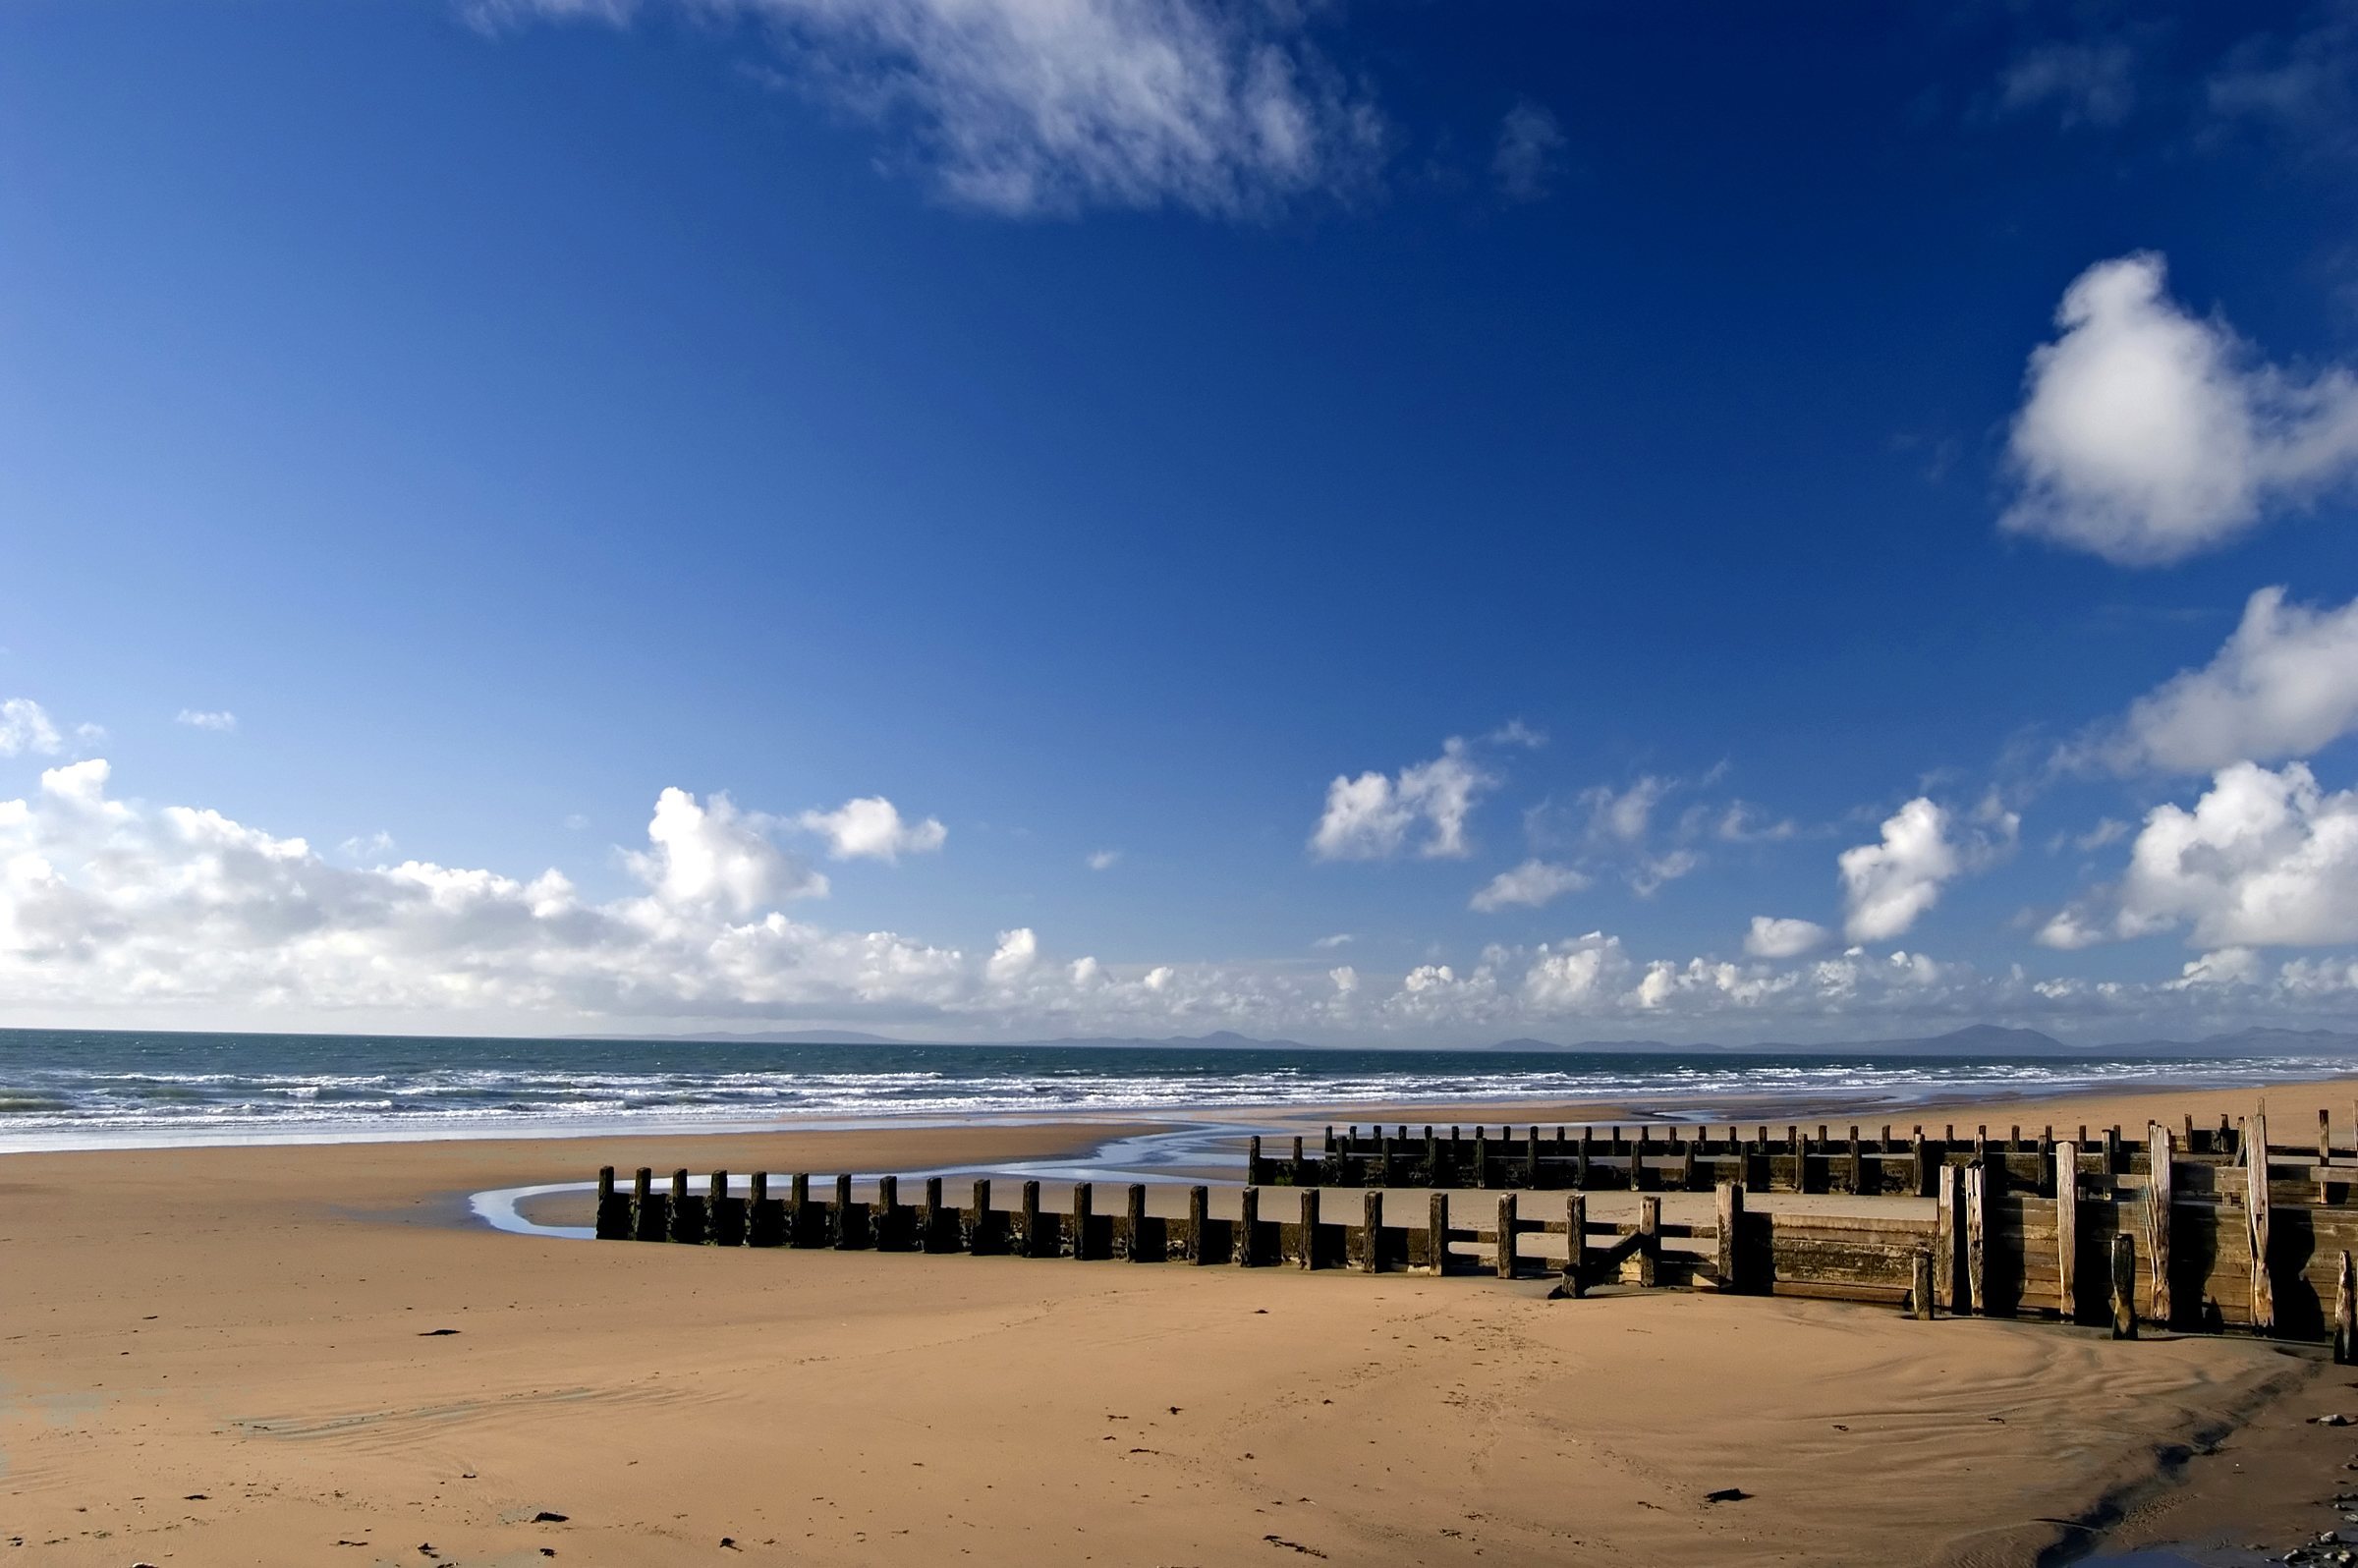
x,y
1681,1159
2223,1259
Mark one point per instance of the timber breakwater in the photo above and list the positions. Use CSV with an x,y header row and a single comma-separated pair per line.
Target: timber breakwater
x,y
2192,1229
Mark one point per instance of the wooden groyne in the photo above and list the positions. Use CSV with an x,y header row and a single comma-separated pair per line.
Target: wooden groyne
x,y
2193,1243
1856,1160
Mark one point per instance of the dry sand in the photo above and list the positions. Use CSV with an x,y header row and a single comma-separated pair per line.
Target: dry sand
x,y
227,1355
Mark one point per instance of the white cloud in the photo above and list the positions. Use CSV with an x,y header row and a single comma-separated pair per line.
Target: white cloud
x,y
219,719
1888,885
2107,830
1530,885
1102,859
1784,939
1051,106
1741,823
25,726
2148,435
1569,975
366,846
1531,145
1329,943
1345,979
2266,857
1017,952
2304,83
713,854
1624,814
2285,683
1654,870
870,828
1514,732
2087,83
1369,818
2228,966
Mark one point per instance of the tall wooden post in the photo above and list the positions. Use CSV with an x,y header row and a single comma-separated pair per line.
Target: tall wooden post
x,y
1136,1214
1858,1162
1248,1228
984,1236
756,1199
1731,1220
2067,1226
1027,1222
1253,1171
2160,1184
1481,1159
1650,1239
885,1224
1371,1224
1531,1173
1437,1232
1920,1161
2124,1286
1576,1245
1084,1202
1977,1237
2324,1141
2255,1216
2345,1314
845,1236
1579,1162
1309,1227
1947,1237
1506,1236
1199,1221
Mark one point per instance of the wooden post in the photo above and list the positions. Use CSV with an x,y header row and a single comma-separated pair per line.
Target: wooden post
x,y
2345,1314
2160,1192
1248,1225
1085,1201
1531,1176
1028,1220
1948,1211
885,1226
797,1210
1253,1171
2324,1141
1977,1237
1137,1216
677,1225
1650,1237
1506,1236
1920,1284
1199,1220
1731,1220
1921,1163
2067,1226
1309,1227
2254,1218
757,1199
1686,1166
1436,1230
1801,1160
1579,1162
1576,1245
1370,1223
984,1237
1298,1168
2124,1286
605,1185
841,1217
1481,1159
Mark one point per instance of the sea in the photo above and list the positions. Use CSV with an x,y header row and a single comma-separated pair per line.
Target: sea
x,y
67,1089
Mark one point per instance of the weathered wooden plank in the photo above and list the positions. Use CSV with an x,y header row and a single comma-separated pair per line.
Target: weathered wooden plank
x,y
2068,1222
1649,1225
1731,1221
2345,1313
2124,1286
2159,1197
1576,1243
1976,1240
2263,1296
1920,1285
1948,1238
1505,1253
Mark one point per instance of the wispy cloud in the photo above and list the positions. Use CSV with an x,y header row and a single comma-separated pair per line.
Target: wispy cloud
x,y
220,721
1530,151
1027,107
1102,859
26,727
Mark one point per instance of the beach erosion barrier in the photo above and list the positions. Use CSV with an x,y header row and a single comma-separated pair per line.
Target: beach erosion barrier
x,y
2220,1239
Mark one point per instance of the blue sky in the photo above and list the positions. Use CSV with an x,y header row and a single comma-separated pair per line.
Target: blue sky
x,y
1526,488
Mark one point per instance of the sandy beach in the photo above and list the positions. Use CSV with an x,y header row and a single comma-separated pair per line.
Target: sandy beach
x,y
308,1353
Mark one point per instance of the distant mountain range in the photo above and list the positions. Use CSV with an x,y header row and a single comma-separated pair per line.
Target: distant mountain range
x,y
1975,1039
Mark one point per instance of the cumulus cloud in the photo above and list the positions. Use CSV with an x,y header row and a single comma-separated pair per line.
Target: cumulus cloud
x,y
1102,859
1570,976
1027,107
2266,857
2147,436
26,727
1371,816
2084,83
1530,885
2228,966
1784,939
713,854
870,828
1017,952
220,721
2285,685
1889,884
1531,145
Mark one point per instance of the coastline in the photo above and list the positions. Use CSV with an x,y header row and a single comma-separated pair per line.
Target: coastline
x,y
229,1354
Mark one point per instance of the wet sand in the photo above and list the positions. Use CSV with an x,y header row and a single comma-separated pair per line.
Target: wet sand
x,y
231,1354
